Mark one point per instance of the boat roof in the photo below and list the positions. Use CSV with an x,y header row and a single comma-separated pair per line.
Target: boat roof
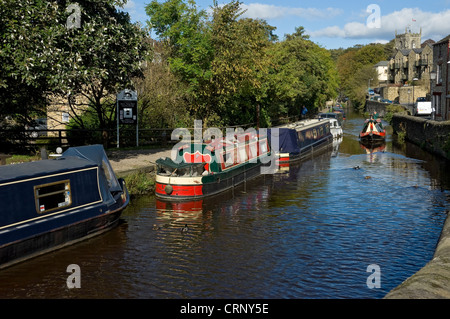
x,y
15,172
73,159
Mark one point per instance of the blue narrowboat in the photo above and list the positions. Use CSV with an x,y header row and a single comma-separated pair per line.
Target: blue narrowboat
x,y
49,204
300,139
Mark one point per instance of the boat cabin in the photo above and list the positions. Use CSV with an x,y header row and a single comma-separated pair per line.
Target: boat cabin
x,y
44,196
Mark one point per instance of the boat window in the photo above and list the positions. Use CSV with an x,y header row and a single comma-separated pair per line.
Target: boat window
x,y
263,147
52,196
228,159
242,154
253,150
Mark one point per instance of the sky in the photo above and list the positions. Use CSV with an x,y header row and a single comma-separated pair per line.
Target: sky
x,y
338,24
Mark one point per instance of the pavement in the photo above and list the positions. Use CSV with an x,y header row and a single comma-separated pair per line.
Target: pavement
x,y
125,162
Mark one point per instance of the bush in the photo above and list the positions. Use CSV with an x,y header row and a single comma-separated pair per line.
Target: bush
x,y
140,183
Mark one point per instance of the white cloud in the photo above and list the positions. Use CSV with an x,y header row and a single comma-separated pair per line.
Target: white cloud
x,y
269,11
129,5
434,25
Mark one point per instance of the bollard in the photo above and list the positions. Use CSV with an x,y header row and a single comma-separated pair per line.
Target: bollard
x,y
44,154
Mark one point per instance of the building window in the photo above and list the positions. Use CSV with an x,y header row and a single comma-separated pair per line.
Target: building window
x,y
65,118
52,196
439,74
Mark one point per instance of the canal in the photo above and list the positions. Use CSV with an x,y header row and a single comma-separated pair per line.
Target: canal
x,y
309,232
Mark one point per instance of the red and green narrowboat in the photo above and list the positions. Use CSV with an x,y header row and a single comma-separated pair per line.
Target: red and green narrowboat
x,y
208,168
372,132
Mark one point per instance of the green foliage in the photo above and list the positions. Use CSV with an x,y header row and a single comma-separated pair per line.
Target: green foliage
x,y
233,66
42,56
391,109
355,67
140,183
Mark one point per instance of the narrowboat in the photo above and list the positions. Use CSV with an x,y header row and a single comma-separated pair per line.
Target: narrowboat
x,y
372,132
201,169
335,128
299,139
335,115
49,204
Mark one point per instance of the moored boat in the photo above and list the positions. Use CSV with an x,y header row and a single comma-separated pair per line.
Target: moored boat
x,y
335,128
208,168
49,204
299,139
372,131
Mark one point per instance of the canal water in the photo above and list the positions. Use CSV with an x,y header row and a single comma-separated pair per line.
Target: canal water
x,y
317,230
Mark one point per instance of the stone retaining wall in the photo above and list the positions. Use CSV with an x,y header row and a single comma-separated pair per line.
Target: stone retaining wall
x,y
380,107
432,136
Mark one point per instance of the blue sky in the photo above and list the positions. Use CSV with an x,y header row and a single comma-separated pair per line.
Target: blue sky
x,y
335,24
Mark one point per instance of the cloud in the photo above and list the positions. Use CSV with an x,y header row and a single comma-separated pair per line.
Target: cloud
x,y
434,25
269,11
130,5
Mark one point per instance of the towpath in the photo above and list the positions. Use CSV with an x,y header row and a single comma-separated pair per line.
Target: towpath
x,y
125,162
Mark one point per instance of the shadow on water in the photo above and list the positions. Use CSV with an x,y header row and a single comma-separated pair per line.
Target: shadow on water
x,y
310,231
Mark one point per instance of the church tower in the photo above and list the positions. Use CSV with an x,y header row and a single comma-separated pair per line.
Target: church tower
x,y
408,40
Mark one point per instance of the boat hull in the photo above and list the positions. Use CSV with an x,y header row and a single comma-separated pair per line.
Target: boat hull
x,y
372,132
372,138
22,250
64,201
189,189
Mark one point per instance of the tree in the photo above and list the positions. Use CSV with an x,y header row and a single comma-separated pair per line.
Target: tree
x,y
26,49
45,54
163,97
184,31
240,66
304,74
355,68
99,59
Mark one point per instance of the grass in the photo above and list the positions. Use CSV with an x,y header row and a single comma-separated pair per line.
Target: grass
x,y
140,183
17,159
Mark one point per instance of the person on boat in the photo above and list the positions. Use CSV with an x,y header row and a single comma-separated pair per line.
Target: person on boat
x,y
375,115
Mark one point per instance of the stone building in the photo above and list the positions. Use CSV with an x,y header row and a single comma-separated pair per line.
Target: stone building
x,y
412,60
440,90
409,68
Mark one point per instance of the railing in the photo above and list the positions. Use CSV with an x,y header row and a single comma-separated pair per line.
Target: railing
x,y
12,140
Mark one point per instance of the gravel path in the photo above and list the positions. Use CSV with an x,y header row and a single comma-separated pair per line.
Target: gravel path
x,y
124,162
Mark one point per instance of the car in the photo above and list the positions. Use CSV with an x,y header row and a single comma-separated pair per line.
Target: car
x,y
38,128
422,106
386,101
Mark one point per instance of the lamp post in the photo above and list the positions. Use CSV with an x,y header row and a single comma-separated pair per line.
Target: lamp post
x,y
433,99
414,96
368,90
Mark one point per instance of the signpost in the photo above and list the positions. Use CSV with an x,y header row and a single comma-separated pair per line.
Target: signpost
x,y
127,111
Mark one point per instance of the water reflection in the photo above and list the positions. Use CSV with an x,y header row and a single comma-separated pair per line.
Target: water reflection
x,y
309,231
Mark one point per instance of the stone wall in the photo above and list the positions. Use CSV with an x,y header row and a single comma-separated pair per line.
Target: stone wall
x,y
380,107
432,136
409,94
404,94
390,92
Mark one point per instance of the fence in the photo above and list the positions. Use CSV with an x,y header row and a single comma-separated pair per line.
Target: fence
x,y
19,140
